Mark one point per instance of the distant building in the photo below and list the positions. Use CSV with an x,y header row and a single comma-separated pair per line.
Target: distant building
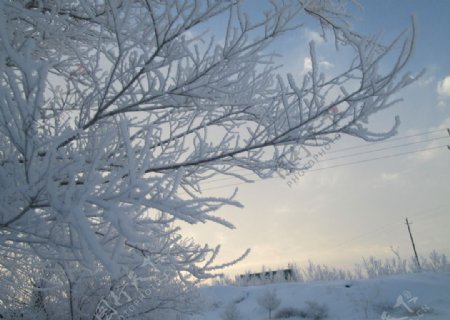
x,y
272,276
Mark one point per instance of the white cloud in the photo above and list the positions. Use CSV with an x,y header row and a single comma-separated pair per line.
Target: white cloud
x,y
390,176
314,36
424,81
283,210
443,88
326,64
437,144
307,64
442,104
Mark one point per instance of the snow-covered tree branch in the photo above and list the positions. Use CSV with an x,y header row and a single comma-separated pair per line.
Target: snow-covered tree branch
x,y
113,115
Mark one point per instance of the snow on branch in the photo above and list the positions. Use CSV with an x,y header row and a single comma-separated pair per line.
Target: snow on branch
x,y
114,114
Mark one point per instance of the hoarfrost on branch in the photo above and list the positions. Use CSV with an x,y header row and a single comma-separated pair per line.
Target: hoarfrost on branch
x,y
113,115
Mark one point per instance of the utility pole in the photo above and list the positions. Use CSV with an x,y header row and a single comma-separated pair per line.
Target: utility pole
x,y
413,245
448,131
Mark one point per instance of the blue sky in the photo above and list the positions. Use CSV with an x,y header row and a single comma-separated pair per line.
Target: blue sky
x,y
433,25
338,215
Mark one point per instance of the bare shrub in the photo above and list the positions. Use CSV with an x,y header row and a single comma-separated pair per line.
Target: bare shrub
x,y
269,301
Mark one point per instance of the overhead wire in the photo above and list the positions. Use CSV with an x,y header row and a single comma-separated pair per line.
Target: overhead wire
x,y
385,148
331,167
379,158
251,174
336,158
388,140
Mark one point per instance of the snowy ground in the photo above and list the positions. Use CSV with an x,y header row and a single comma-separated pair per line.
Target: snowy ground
x,y
413,296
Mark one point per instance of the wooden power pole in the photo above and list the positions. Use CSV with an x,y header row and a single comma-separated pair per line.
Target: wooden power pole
x,y
413,245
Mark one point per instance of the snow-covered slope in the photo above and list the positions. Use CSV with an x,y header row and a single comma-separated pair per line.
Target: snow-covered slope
x,y
413,296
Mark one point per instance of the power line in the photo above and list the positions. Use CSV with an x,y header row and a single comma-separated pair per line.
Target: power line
x,y
350,155
379,158
385,148
367,234
388,140
336,166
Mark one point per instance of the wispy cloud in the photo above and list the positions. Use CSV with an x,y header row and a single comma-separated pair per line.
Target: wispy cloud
x,y
443,91
314,36
385,176
307,64
434,153
443,88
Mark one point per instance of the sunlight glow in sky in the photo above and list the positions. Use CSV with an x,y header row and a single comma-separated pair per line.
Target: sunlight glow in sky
x,y
358,207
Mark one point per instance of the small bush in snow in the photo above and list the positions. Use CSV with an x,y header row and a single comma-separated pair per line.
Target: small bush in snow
x,y
315,311
269,301
241,298
231,312
289,312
